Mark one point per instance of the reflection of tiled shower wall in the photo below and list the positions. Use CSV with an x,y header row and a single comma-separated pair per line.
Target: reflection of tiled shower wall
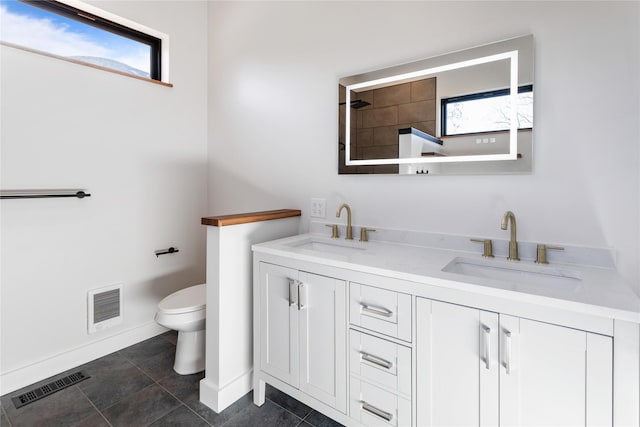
x,y
374,128
392,108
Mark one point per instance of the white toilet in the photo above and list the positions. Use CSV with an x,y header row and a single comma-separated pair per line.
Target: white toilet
x,y
185,312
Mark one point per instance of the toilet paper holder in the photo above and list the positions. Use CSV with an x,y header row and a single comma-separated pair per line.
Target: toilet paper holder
x,y
170,250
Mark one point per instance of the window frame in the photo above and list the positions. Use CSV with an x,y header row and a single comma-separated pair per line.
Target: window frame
x,y
96,21
444,102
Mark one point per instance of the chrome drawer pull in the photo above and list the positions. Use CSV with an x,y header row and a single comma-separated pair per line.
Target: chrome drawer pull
x,y
380,311
377,412
376,360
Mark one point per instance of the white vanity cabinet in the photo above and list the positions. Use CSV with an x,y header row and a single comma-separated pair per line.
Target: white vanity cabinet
x,y
377,334
303,332
477,367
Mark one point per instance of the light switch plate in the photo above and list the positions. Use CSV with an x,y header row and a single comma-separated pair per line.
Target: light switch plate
x,y
318,208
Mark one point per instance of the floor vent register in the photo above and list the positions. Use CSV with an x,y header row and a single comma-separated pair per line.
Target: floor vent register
x,y
43,391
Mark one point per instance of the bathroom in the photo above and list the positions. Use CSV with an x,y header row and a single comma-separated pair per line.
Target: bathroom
x,y
250,124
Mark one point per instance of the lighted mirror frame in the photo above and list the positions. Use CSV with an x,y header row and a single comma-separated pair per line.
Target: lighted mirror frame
x,y
507,50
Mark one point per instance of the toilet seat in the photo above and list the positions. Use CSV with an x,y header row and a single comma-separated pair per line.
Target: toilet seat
x,y
185,300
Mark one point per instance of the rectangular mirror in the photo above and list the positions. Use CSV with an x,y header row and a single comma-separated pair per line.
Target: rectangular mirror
x,y
466,112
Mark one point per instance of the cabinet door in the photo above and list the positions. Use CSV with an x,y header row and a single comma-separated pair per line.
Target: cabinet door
x,y
457,365
553,376
323,368
279,322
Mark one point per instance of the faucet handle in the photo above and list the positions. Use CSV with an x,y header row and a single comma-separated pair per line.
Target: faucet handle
x,y
488,247
334,230
363,234
541,251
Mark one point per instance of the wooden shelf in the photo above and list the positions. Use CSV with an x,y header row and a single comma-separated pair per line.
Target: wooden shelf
x,y
245,218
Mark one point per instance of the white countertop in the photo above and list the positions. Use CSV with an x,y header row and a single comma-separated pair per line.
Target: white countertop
x,y
601,290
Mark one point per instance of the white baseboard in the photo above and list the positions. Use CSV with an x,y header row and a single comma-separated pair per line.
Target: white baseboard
x,y
53,365
219,399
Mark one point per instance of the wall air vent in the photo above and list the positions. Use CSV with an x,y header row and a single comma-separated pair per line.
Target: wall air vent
x,y
47,389
104,308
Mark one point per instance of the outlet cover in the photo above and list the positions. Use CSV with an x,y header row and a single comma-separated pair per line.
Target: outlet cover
x,y
318,208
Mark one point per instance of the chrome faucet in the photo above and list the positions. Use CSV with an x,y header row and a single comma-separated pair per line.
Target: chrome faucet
x,y
513,243
349,228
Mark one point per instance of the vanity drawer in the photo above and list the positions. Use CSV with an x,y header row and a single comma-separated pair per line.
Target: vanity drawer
x,y
380,310
372,406
380,361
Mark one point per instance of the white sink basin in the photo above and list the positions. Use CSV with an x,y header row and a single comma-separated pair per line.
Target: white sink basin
x,y
341,247
515,272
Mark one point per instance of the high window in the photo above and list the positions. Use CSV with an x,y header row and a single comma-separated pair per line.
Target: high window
x,y
59,29
485,112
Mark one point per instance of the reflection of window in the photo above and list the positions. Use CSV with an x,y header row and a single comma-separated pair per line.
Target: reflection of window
x,y
62,30
485,112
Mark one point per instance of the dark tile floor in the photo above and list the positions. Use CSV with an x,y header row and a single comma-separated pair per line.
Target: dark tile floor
x,y
137,386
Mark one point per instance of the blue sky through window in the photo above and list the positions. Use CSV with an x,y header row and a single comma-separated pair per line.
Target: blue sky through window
x,y
36,28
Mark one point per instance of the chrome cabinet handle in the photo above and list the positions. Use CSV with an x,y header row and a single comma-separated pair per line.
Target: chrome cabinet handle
x,y
302,296
380,311
377,412
292,292
376,360
487,346
297,294
507,351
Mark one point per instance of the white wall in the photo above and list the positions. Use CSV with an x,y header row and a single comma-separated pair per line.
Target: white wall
x,y
273,71
140,150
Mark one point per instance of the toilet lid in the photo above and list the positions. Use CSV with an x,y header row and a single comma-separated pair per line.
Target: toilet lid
x,y
189,299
